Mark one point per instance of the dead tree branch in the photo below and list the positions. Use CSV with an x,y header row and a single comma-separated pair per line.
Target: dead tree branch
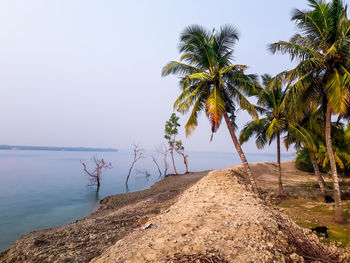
x,y
138,154
163,150
156,163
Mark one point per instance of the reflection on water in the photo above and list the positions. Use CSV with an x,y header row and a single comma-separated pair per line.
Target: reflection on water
x,y
42,189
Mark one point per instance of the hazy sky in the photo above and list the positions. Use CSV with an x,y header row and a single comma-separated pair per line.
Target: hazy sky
x,y
87,73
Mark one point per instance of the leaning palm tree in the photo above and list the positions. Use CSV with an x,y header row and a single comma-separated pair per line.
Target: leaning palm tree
x,y
210,82
273,125
322,49
310,128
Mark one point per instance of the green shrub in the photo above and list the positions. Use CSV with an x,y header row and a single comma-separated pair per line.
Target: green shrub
x,y
303,161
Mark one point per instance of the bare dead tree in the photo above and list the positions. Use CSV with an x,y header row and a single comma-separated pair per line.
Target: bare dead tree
x,y
138,154
156,163
95,176
163,150
180,149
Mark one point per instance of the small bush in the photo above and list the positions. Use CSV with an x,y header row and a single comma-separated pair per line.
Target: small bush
x,y
303,161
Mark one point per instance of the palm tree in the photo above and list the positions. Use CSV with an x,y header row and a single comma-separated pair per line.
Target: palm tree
x,y
210,82
310,128
322,49
273,125
341,147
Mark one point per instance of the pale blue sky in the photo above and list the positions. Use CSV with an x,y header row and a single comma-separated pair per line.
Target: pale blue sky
x,y
87,73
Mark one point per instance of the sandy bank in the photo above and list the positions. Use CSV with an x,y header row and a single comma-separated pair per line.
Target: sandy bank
x,y
215,218
89,237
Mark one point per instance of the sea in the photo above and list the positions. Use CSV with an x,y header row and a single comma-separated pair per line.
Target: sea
x,y
44,189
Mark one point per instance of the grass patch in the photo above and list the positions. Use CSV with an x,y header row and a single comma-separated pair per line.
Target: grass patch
x,y
308,213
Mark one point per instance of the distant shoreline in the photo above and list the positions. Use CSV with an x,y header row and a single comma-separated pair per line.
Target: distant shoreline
x,y
48,148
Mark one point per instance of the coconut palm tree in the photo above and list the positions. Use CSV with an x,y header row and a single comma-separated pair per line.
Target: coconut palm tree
x,y
311,128
273,125
341,147
210,82
322,49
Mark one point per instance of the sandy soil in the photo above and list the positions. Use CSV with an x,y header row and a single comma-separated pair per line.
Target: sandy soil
x,y
219,215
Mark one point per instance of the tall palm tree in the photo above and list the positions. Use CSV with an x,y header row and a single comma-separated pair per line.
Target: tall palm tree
x,y
311,128
322,49
273,125
210,82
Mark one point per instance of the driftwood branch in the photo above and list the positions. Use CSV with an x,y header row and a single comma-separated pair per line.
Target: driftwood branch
x,y
145,172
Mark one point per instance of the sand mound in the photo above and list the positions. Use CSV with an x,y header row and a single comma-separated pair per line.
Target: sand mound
x,y
220,220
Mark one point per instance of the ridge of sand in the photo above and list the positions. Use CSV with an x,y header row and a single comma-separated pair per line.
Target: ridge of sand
x,y
219,215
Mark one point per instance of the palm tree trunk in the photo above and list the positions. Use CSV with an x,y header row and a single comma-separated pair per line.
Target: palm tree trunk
x,y
249,175
280,185
339,214
317,172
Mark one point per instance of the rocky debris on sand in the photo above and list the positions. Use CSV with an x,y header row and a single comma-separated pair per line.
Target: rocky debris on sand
x,y
219,214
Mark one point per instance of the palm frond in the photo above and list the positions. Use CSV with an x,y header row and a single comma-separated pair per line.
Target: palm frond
x,y
215,108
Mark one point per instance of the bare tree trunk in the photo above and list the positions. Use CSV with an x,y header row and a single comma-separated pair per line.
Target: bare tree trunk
x,y
249,175
317,172
127,178
172,158
185,162
280,185
163,150
339,213
138,154
156,163
165,166
98,183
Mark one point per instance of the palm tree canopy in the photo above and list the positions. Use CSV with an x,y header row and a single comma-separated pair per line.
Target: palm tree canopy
x,y
322,49
208,79
308,132
270,99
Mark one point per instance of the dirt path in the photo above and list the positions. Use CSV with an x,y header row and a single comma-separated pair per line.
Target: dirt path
x,y
88,238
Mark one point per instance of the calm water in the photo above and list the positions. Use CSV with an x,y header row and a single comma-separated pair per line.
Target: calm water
x,y
42,189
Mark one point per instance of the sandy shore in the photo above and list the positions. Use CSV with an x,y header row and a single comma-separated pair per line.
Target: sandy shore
x,y
90,237
184,219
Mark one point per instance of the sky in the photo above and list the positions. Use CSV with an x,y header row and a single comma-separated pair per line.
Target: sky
x,y
88,73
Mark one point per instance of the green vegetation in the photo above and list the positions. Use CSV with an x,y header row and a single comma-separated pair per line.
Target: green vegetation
x,y
297,104
341,147
171,131
270,100
303,161
310,213
321,77
170,135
